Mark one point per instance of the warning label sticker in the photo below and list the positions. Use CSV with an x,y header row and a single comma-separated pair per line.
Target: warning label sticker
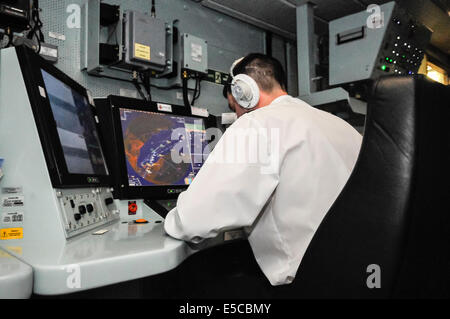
x,y
15,250
13,201
196,52
13,217
142,51
12,190
164,107
11,233
18,251
4,254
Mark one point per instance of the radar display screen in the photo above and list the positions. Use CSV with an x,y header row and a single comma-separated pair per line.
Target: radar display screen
x,y
162,149
76,128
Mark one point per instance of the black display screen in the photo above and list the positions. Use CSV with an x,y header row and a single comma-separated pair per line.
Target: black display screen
x,y
76,128
150,140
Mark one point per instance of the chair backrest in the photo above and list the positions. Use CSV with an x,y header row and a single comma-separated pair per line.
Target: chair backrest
x,y
392,220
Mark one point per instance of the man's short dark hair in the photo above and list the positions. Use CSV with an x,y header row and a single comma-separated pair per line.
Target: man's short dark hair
x,y
265,70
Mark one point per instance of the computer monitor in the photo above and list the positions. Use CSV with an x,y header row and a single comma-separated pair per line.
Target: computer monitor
x,y
154,152
66,124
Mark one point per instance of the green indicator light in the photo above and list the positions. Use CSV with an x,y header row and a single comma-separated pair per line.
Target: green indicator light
x,y
383,67
387,59
390,60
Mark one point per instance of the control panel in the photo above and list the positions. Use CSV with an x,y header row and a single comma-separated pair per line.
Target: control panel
x,y
84,209
365,46
404,45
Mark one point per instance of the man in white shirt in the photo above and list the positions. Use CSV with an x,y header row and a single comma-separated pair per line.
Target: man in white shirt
x,y
283,188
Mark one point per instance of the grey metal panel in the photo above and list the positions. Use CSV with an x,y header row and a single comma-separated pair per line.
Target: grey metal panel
x,y
18,127
305,48
125,252
325,97
389,49
228,39
195,53
278,16
16,277
291,69
264,14
354,61
279,49
149,33
94,36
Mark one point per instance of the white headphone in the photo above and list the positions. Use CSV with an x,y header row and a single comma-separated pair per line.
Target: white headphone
x,y
244,89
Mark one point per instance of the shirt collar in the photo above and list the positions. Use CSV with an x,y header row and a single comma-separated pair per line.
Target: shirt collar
x,y
279,99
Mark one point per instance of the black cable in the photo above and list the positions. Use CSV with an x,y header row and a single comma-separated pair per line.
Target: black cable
x,y
185,79
195,91
39,22
198,92
141,77
36,31
145,79
153,12
199,88
167,88
138,87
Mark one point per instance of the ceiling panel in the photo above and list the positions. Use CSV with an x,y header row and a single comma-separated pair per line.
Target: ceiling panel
x,y
435,18
278,16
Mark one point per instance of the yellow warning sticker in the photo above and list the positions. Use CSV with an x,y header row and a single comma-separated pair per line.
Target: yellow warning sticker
x,y
11,233
15,250
4,254
142,51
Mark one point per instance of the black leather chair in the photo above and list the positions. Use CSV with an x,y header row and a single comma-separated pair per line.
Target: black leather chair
x,y
394,212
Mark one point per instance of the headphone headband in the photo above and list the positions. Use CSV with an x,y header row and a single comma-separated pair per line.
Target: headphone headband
x,y
233,66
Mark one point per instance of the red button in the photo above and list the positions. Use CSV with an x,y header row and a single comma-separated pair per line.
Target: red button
x,y
132,208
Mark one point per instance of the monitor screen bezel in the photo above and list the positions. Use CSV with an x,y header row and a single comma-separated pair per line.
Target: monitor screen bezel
x,y
122,189
31,66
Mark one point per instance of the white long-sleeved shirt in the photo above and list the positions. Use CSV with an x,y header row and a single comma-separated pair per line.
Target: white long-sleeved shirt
x,y
312,154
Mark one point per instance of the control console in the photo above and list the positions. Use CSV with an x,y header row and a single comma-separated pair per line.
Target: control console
x,y
83,209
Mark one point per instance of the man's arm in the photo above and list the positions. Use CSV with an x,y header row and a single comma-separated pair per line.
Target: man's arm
x,y
230,190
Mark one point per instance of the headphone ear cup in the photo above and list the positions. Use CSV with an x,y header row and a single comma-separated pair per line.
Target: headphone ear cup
x,y
245,91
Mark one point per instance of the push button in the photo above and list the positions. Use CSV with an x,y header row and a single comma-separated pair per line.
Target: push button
x,y
109,201
90,208
77,217
82,209
132,208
